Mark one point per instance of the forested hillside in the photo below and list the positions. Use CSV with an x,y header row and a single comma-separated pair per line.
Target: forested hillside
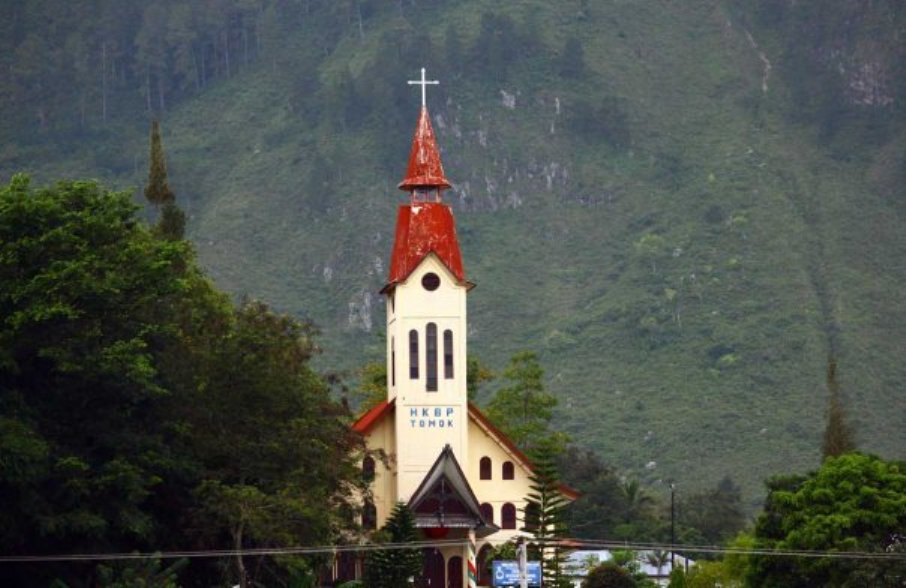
x,y
684,207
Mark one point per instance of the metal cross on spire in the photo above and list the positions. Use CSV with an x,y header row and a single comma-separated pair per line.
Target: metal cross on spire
x,y
424,84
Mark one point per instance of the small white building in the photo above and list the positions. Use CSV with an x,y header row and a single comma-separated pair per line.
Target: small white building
x,y
579,563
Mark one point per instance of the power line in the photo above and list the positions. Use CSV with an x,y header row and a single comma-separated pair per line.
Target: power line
x,y
361,548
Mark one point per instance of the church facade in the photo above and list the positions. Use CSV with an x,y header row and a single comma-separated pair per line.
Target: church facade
x,y
464,481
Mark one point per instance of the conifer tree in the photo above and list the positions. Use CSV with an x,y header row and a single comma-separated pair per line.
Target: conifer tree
x,y
392,568
171,223
158,190
838,437
545,514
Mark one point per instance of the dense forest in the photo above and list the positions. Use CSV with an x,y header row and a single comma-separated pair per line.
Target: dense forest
x,y
684,208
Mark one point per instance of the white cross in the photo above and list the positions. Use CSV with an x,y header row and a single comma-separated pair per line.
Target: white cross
x,y
424,84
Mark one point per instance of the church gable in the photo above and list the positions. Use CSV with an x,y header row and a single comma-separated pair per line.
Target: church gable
x,y
445,500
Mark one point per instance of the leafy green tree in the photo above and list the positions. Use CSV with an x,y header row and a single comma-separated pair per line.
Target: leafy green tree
x,y
393,568
86,295
609,575
854,502
544,515
838,438
277,456
523,409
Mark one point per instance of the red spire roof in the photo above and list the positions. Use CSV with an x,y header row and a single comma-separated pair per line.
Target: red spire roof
x,y
425,169
423,228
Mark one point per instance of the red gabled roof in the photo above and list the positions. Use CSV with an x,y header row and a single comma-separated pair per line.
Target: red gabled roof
x,y
475,413
423,228
372,416
425,169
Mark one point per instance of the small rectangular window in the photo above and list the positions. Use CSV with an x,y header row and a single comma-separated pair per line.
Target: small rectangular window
x,y
413,354
431,357
392,361
448,354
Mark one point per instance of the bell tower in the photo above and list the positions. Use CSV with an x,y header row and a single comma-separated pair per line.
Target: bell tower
x,y
426,318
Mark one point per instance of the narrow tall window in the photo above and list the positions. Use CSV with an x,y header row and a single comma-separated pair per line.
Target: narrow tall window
x,y
508,470
369,516
448,354
368,469
431,357
487,512
484,468
413,354
508,516
392,361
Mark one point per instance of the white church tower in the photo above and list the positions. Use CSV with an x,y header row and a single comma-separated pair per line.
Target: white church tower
x,y
426,319
460,476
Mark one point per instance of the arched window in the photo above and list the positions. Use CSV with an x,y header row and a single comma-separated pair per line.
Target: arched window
x,y
508,516
431,357
484,566
484,468
392,361
369,516
448,354
487,512
413,354
368,468
509,472
532,516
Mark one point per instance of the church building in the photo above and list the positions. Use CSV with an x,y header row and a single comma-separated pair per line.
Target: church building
x,y
461,477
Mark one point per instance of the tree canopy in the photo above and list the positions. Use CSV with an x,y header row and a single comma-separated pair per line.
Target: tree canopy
x,y
853,503
141,410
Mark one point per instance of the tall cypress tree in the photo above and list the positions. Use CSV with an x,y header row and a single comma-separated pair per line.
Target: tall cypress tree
x,y
158,190
171,223
838,437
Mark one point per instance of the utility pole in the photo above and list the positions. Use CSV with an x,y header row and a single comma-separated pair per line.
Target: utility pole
x,y
672,528
521,553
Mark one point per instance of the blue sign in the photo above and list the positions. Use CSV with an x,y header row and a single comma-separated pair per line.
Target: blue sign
x,y
506,573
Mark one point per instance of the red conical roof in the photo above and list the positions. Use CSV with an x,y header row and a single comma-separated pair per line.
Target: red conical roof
x,y
423,228
425,169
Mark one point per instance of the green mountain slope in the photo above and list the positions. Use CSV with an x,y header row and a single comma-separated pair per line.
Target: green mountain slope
x,y
678,219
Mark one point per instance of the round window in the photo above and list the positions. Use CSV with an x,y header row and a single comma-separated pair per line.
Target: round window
x,y
430,282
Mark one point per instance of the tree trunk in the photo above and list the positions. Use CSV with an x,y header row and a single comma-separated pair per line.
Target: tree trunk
x,y
240,565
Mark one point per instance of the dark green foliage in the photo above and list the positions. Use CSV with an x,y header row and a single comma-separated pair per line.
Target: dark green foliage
x,y
172,222
139,410
714,516
85,299
157,190
602,511
609,575
853,502
838,438
392,568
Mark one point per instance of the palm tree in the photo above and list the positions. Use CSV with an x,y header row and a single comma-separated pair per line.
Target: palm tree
x,y
658,559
